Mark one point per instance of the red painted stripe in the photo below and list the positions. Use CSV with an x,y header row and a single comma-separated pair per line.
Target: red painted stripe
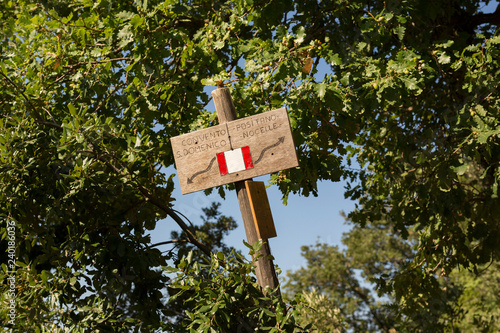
x,y
247,157
222,163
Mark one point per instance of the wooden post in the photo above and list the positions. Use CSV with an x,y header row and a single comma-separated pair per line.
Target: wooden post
x,y
266,274
261,211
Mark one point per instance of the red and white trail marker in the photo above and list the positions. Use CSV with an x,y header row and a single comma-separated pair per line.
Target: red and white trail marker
x,y
234,160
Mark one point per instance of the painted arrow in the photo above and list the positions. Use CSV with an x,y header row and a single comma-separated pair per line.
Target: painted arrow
x,y
280,141
190,180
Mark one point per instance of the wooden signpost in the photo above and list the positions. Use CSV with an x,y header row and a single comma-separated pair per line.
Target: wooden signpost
x,y
233,152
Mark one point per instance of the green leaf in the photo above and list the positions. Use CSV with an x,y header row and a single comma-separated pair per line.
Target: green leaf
x,y
321,90
300,35
72,110
219,44
461,169
400,32
444,58
204,308
483,137
136,21
125,15
410,83
72,280
335,59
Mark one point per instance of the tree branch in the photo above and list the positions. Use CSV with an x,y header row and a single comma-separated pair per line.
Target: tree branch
x,y
173,241
381,323
191,236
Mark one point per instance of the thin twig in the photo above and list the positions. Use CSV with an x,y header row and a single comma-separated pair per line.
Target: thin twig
x,y
173,241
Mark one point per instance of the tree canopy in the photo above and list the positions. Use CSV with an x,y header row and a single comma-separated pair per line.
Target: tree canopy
x,y
346,279
92,91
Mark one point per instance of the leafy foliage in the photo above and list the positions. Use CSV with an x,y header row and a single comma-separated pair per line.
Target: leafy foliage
x,y
320,313
352,280
329,272
222,295
429,113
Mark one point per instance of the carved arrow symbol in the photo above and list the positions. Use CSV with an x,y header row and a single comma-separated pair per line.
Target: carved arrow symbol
x,y
280,141
190,180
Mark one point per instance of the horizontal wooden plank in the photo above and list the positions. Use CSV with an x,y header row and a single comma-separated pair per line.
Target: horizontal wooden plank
x,y
267,135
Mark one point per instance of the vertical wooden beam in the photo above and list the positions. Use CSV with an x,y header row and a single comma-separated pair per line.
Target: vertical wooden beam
x,y
266,274
261,210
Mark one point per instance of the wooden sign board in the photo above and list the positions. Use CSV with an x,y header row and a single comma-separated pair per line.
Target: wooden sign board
x,y
234,151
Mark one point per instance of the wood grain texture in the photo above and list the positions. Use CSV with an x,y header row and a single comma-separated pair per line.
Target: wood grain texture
x,y
261,210
224,105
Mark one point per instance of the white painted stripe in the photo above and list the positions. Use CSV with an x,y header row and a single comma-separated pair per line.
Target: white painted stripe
x,y
234,160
